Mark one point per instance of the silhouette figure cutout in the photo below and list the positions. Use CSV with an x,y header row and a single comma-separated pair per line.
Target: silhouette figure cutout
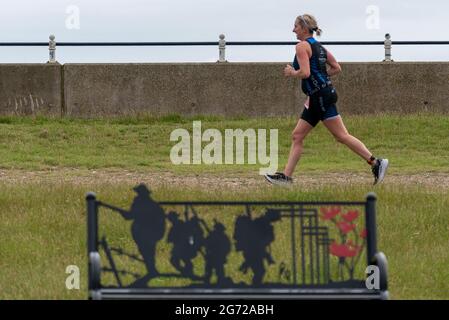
x,y
190,236
147,229
187,238
194,244
217,246
253,238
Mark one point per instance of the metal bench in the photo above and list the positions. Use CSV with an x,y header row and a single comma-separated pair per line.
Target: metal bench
x,y
233,250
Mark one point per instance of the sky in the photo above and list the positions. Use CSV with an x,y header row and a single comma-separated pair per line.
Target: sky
x,y
204,20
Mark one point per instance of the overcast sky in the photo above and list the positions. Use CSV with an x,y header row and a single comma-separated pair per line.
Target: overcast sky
x,y
204,20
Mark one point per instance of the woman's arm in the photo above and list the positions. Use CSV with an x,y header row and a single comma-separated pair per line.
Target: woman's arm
x,y
333,64
303,59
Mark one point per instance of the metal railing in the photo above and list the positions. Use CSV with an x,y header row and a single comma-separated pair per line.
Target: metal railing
x,y
222,43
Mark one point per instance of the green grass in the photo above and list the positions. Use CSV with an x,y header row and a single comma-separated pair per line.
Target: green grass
x,y
43,223
412,143
43,231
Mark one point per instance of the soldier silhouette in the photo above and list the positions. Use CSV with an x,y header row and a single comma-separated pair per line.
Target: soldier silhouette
x,y
217,246
147,229
253,238
187,238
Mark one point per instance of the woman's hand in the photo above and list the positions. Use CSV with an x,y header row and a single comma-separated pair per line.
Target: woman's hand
x,y
289,71
334,66
307,103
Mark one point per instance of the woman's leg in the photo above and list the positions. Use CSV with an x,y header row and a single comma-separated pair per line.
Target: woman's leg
x,y
299,133
339,131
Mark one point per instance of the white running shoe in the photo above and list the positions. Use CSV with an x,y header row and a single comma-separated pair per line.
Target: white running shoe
x,y
279,178
379,170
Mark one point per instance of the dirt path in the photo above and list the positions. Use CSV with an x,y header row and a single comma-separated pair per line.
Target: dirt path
x,y
307,180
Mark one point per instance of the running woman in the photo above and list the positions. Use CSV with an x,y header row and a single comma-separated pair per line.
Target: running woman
x,y
310,65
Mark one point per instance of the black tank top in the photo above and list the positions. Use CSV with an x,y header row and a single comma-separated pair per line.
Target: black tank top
x,y
319,79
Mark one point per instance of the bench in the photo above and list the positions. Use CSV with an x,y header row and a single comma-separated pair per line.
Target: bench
x,y
233,250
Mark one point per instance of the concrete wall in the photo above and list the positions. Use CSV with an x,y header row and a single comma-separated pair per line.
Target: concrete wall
x,y
30,89
255,89
209,88
393,87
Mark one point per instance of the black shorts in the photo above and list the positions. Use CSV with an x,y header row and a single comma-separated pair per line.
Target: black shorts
x,y
322,106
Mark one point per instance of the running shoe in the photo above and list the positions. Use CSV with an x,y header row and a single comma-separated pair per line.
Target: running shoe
x,y
279,178
379,170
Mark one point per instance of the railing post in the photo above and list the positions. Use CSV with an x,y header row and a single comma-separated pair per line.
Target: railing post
x,y
222,49
370,221
92,241
387,45
92,222
52,49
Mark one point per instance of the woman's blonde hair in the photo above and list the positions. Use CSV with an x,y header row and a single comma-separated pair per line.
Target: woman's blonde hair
x,y
309,22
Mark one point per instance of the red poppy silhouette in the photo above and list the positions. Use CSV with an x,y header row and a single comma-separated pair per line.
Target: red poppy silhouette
x,y
363,233
350,216
329,213
344,250
345,227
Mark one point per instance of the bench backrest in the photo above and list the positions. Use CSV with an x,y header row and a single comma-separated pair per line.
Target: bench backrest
x,y
229,247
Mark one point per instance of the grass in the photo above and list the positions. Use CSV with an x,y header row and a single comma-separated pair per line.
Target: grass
x,y
43,223
412,143
43,231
